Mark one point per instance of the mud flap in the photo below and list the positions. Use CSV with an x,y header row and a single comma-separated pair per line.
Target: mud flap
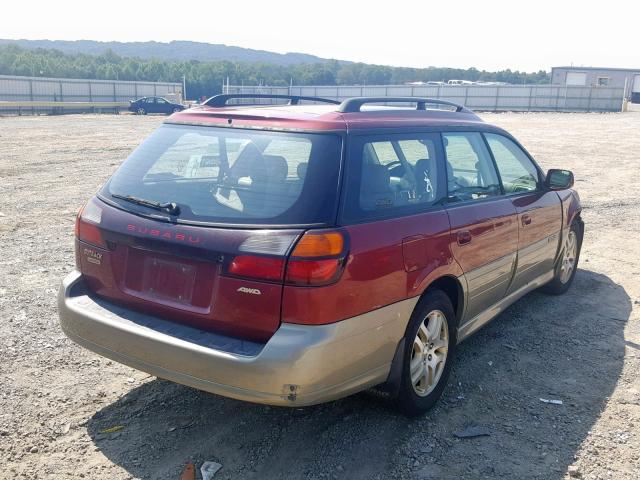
x,y
392,385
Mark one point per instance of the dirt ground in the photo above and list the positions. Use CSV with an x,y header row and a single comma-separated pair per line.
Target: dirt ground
x,y
582,348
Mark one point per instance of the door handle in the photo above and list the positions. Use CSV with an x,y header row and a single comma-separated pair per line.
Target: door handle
x,y
464,237
526,220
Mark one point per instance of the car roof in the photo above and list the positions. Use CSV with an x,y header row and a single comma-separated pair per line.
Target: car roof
x,y
351,114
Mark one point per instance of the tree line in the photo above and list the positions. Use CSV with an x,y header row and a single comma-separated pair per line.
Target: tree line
x,y
206,78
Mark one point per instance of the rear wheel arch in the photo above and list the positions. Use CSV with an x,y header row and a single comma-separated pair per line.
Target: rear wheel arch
x,y
452,288
433,303
447,286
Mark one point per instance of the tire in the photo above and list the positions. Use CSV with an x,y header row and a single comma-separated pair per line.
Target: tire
x,y
416,397
567,266
141,111
175,110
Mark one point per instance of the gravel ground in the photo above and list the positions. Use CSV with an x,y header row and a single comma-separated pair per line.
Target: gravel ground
x,y
582,348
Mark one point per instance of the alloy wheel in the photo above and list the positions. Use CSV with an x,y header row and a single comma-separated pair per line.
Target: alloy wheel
x,y
568,262
429,353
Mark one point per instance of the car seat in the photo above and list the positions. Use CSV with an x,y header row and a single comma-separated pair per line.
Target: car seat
x,y
425,173
269,183
375,190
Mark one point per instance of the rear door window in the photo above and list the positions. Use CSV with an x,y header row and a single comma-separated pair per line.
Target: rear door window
x,y
415,150
392,175
471,174
384,152
223,175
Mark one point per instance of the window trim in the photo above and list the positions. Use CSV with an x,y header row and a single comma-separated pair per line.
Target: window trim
x,y
541,176
350,187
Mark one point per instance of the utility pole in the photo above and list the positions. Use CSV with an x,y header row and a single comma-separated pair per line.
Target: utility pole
x,y
184,88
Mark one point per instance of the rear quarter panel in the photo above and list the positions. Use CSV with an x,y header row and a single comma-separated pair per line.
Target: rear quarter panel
x,y
377,273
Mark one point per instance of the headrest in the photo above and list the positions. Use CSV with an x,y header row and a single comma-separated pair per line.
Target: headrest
x,y
249,163
424,164
301,170
258,169
450,176
277,168
375,178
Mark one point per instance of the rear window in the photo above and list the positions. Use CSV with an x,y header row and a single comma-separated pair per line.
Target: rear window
x,y
225,175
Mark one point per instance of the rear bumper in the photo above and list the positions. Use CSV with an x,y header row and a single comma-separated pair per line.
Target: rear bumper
x,y
300,365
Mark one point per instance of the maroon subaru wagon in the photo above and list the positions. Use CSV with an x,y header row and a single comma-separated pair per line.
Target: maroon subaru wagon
x,y
296,253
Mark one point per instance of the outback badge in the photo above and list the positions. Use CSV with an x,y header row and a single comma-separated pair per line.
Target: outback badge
x,y
92,256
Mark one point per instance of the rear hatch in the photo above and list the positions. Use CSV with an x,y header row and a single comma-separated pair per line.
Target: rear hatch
x,y
198,223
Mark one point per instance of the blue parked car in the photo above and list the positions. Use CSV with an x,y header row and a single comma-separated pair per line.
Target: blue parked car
x,y
145,105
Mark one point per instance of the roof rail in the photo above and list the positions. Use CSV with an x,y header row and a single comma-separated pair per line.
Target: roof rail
x,y
219,101
355,104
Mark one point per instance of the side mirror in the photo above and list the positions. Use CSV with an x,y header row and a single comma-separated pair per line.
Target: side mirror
x,y
558,179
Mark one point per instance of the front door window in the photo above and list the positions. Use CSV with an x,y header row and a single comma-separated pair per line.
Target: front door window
x,y
517,171
470,172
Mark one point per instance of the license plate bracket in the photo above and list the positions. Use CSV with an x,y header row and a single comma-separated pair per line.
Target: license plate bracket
x,y
168,280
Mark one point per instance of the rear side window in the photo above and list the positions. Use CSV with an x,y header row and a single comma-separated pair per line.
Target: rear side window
x,y
470,171
224,175
517,171
391,175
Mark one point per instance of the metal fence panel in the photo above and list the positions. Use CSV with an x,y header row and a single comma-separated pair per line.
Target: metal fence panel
x,y
529,98
102,91
85,91
129,91
45,90
74,91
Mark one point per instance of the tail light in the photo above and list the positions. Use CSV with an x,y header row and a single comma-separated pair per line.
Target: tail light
x,y
317,259
253,266
313,272
87,221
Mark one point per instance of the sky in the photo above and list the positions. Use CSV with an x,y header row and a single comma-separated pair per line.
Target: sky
x,y
486,34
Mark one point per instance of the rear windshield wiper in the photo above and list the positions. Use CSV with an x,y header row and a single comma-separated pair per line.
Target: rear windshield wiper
x,y
171,208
